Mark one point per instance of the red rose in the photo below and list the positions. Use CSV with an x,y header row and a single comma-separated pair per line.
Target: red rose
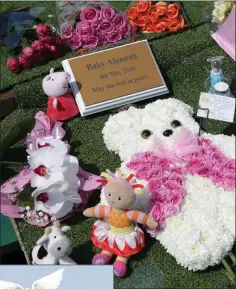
x,y
60,41
43,29
25,61
49,39
13,64
28,52
38,59
56,52
35,44
42,49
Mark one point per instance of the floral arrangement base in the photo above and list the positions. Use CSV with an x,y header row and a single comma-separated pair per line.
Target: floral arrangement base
x,y
189,179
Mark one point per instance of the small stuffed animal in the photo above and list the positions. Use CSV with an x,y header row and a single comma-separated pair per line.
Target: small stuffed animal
x,y
61,103
118,234
55,245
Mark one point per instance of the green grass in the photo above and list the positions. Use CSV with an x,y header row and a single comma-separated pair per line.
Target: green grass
x,y
182,59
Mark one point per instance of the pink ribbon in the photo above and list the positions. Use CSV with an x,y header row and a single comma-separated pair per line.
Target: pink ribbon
x,y
44,128
185,143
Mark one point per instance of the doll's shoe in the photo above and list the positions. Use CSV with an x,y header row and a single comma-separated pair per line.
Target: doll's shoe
x,y
120,268
101,259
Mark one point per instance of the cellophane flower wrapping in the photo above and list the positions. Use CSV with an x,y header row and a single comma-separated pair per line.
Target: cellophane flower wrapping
x,y
157,16
92,24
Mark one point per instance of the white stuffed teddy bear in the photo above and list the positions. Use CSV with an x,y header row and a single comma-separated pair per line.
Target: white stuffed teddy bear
x,y
55,245
189,179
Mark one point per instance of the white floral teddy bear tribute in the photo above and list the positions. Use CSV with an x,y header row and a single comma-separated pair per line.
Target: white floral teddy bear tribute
x,y
198,223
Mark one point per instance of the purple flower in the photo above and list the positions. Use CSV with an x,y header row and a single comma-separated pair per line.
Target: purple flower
x,y
101,38
119,21
84,30
66,30
114,36
89,14
96,24
125,30
90,42
74,41
106,27
107,13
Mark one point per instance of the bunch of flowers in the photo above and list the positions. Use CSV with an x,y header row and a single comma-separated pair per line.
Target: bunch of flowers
x,y
157,17
48,46
53,185
96,27
221,11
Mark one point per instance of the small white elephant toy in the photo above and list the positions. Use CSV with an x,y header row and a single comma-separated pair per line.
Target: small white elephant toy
x,y
54,245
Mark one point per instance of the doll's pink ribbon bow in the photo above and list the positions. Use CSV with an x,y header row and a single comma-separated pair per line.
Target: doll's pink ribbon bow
x,y
44,128
185,143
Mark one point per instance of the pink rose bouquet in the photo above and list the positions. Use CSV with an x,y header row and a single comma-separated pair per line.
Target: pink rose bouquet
x,y
47,46
94,25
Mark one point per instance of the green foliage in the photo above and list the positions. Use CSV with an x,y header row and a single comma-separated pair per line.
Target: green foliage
x,y
25,198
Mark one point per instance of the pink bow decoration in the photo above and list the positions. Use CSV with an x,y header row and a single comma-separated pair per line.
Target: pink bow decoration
x,y
185,143
44,128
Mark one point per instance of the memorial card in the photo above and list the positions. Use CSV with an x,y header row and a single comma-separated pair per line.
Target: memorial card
x,y
115,77
220,107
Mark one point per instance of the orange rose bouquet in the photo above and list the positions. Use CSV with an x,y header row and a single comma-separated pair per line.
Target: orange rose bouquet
x,y
157,16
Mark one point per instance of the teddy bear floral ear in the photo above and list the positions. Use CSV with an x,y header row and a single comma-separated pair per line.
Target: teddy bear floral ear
x,y
51,70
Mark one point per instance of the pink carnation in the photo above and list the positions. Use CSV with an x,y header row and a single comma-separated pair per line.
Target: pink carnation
x,y
176,177
229,166
218,158
155,172
175,199
204,142
171,210
172,185
217,176
135,164
164,163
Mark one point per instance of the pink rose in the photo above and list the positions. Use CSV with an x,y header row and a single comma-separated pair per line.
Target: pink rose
x,y
13,64
157,211
178,171
176,177
158,198
56,51
90,42
75,41
101,38
106,27
203,171
154,159
164,163
170,210
25,61
204,142
175,199
142,171
229,181
114,36
172,185
125,30
119,21
229,166
43,29
155,172
84,30
96,24
89,14
66,30
49,39
36,43
28,51
194,164
218,158
154,185
107,13
217,175
135,164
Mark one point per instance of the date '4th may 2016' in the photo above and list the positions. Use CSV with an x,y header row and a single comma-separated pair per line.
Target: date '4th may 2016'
x,y
117,72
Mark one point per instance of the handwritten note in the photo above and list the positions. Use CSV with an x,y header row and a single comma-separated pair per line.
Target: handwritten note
x,y
220,107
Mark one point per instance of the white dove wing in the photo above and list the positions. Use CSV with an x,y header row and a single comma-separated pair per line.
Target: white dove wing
x,y
51,281
9,285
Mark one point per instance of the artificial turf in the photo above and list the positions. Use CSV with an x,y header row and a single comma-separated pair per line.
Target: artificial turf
x,y
182,59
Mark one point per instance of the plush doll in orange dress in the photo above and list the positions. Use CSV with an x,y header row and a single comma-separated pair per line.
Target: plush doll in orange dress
x,y
117,232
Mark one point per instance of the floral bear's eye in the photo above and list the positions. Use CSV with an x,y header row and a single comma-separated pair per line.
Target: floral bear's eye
x,y
175,123
52,79
109,194
168,132
146,134
119,198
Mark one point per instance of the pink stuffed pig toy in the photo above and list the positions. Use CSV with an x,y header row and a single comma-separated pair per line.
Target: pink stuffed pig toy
x,y
61,103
